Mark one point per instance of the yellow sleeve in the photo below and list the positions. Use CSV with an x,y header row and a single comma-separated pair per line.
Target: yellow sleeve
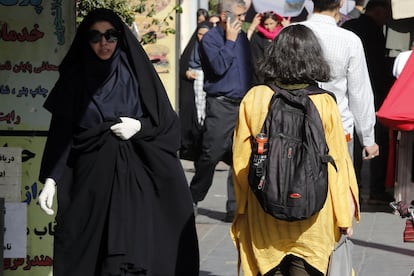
x,y
343,180
253,111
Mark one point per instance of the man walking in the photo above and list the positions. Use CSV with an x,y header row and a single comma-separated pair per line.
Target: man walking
x,y
349,74
369,27
225,59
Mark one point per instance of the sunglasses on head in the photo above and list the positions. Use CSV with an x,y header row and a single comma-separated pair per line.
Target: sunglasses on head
x,y
110,36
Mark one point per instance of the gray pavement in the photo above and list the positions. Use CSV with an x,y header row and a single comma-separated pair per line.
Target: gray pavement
x,y
379,247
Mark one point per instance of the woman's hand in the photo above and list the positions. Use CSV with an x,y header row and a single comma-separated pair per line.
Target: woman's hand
x,y
253,25
349,231
127,128
285,22
352,209
47,195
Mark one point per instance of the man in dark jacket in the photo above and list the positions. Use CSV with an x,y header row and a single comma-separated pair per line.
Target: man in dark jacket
x,y
225,59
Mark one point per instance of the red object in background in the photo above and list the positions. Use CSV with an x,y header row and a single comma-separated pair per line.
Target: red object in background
x,y
390,176
409,231
397,112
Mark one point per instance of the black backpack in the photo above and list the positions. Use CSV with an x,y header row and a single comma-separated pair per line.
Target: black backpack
x,y
290,178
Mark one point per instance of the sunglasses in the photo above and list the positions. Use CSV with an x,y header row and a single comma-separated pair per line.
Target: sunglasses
x,y
111,36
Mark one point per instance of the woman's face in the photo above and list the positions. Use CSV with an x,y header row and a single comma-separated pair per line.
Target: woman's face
x,y
201,18
270,24
214,20
103,39
201,32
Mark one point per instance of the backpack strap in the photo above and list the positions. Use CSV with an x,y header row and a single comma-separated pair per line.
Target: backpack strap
x,y
328,159
313,90
309,90
296,98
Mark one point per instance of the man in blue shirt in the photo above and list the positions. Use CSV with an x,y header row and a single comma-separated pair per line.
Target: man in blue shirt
x,y
225,59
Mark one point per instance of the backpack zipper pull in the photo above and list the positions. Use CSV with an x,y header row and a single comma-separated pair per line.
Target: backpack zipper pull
x,y
289,152
261,182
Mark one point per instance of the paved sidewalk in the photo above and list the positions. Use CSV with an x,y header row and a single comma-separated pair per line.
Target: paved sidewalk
x,y
379,248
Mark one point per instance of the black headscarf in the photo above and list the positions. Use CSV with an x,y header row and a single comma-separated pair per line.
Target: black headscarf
x,y
68,96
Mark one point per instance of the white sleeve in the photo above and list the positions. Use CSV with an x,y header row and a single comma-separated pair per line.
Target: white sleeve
x,y
400,62
360,95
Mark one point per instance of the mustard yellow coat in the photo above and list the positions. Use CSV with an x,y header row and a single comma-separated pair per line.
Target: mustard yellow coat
x,y
261,239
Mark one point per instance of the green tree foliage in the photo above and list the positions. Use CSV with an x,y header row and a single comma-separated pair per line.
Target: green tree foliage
x,y
127,13
213,6
162,25
121,7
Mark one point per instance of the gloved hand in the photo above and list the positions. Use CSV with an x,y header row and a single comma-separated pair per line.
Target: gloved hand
x,y
46,196
127,128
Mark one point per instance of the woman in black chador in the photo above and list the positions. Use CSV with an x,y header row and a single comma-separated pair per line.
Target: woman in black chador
x,y
124,207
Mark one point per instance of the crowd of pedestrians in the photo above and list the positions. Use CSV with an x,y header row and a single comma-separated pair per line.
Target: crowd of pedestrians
x,y
134,212
360,77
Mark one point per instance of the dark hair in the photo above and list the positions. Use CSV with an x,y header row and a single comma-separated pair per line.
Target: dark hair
x,y
215,15
325,5
294,57
272,15
203,12
373,4
204,25
359,2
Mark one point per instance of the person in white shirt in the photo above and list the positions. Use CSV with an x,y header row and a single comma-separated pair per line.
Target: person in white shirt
x,y
349,74
400,62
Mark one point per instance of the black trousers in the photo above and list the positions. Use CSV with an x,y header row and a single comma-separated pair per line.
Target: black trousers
x,y
378,166
220,121
294,266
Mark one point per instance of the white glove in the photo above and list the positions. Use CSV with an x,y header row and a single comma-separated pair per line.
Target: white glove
x,y
127,128
46,196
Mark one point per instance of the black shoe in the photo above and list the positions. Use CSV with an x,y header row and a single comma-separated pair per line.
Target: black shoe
x,y
380,198
229,216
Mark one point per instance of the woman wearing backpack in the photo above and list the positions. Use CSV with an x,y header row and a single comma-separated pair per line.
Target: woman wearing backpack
x,y
269,246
